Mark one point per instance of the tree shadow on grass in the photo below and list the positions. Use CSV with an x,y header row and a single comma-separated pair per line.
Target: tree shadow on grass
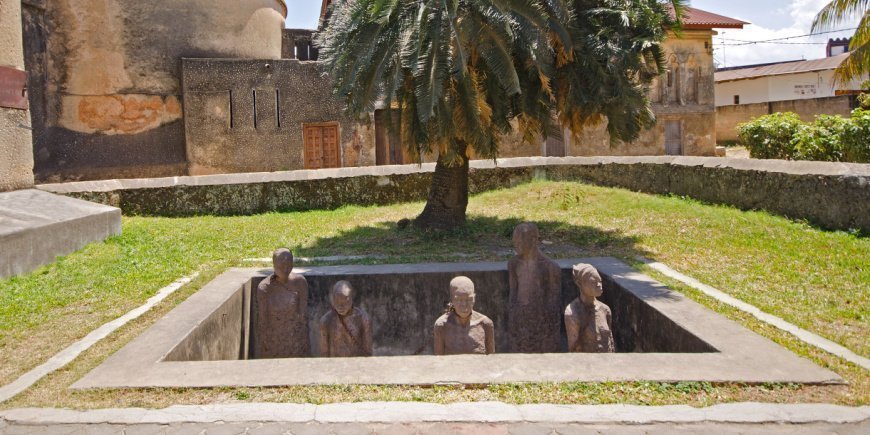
x,y
482,238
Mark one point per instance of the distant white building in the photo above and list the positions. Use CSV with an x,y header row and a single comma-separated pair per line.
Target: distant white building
x,y
805,87
785,81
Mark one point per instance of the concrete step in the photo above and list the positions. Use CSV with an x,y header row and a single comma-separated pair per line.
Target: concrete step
x,y
36,227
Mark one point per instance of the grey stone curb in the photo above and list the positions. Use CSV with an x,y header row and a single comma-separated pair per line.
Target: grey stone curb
x,y
802,334
477,412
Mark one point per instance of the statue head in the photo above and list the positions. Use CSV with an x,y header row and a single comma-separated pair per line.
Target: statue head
x,y
462,296
341,297
525,238
282,262
588,281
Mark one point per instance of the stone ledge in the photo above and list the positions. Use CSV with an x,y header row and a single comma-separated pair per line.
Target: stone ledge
x,y
779,166
37,226
477,412
793,189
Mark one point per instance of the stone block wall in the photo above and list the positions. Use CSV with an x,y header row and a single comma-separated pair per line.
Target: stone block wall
x,y
727,117
106,77
832,195
248,115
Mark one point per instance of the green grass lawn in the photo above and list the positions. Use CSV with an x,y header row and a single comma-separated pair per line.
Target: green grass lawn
x,y
819,280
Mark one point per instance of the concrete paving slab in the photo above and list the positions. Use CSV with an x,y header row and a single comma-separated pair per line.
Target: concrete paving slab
x,y
472,412
36,227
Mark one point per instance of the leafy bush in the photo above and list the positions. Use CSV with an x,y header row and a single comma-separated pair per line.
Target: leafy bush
x,y
770,136
829,138
856,137
820,140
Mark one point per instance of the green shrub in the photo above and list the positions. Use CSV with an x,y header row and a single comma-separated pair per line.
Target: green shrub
x,y
770,136
856,137
821,140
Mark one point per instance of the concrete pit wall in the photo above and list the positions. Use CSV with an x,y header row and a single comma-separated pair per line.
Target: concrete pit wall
x,y
404,305
109,73
728,117
793,189
227,132
16,149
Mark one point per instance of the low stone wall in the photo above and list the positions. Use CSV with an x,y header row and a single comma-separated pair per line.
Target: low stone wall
x,y
832,195
727,117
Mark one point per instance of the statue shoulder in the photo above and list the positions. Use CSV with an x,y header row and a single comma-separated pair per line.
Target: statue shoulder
x,y
572,309
327,318
265,283
603,307
442,321
481,319
296,279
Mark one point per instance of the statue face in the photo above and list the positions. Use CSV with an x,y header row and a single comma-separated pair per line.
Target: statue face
x,y
283,265
342,300
591,286
463,302
525,239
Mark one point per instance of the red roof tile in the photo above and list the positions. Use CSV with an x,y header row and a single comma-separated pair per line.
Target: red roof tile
x,y
698,19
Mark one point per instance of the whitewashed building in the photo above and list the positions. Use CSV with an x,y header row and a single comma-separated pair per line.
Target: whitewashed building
x,y
805,87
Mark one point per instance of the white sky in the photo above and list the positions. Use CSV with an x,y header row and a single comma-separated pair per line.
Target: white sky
x,y
770,19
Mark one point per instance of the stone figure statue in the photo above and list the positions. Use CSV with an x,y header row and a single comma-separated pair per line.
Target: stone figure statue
x,y
534,302
282,311
588,321
345,330
462,330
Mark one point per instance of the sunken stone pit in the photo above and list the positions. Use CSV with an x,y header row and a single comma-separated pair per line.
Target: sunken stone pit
x,y
660,335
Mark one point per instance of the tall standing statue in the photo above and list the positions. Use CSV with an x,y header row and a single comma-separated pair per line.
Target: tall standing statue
x,y
282,311
345,330
462,330
534,304
588,321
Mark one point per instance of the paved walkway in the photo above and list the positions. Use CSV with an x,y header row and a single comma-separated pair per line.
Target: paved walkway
x,y
425,418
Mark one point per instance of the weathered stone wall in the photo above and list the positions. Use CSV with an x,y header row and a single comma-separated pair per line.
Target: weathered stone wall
x,y
832,195
110,75
16,149
727,117
226,133
685,94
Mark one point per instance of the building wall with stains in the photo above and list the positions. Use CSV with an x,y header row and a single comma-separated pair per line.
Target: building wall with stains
x,y
16,152
110,102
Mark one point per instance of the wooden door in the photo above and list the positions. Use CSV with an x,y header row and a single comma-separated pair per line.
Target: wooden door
x,y
321,145
673,138
388,144
554,145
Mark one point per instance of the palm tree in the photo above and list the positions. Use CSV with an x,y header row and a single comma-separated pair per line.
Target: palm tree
x,y
857,65
458,72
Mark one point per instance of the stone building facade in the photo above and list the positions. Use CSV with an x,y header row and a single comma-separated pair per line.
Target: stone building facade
x,y
16,155
683,101
105,77
129,89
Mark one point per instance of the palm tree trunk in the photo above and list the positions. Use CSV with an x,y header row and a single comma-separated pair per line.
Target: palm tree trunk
x,y
448,195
